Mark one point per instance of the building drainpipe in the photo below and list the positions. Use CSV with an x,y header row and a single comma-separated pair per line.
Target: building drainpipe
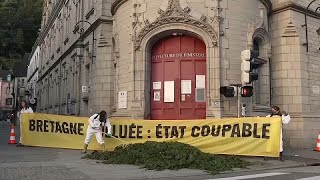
x,y
59,90
219,45
48,95
80,61
79,89
270,82
1,91
17,96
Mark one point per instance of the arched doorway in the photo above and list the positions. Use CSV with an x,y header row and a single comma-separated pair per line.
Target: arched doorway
x,y
178,78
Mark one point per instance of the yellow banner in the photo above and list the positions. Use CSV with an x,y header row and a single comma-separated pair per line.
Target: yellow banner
x,y
244,136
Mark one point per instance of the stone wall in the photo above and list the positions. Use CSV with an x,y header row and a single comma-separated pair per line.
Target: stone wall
x,y
295,78
64,69
242,23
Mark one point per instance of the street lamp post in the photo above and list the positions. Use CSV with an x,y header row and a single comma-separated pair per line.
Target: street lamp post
x,y
80,49
306,23
80,30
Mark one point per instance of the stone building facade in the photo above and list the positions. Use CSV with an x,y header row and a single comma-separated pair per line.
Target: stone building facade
x,y
145,59
6,98
33,76
75,57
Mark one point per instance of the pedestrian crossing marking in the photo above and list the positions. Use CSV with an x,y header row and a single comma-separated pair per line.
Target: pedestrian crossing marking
x,y
311,178
263,175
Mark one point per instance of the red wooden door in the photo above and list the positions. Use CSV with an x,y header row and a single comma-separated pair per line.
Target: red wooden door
x,y
178,78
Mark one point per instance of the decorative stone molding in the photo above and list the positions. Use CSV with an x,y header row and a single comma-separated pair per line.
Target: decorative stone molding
x,y
146,22
117,53
115,43
295,7
262,34
174,9
102,41
138,14
116,5
269,53
257,30
267,4
216,19
203,18
260,20
290,30
175,14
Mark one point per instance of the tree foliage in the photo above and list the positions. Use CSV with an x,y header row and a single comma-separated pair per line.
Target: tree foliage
x,y
20,22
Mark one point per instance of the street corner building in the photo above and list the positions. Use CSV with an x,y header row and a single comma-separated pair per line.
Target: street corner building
x,y
167,59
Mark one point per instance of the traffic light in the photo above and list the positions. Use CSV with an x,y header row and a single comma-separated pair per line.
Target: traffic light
x,y
248,64
228,91
246,91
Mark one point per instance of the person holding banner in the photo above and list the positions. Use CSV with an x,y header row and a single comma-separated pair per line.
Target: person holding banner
x,y
24,109
97,122
285,118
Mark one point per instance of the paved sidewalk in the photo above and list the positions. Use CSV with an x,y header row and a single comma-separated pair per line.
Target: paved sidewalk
x,y
303,153
293,158
308,157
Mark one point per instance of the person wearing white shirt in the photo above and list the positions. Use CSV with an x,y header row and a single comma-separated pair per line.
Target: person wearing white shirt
x,y
24,109
96,123
285,119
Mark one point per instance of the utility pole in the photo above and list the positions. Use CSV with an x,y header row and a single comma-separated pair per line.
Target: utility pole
x,y
238,92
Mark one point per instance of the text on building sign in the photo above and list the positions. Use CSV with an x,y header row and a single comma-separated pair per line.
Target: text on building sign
x,y
179,55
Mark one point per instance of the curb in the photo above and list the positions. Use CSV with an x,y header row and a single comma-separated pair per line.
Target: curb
x,y
275,167
246,170
266,168
314,164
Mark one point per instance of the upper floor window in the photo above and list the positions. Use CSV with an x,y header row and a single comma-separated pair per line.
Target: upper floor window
x,y
8,90
256,46
22,82
9,101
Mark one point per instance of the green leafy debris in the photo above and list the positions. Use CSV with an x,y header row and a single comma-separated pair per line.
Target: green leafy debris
x,y
168,155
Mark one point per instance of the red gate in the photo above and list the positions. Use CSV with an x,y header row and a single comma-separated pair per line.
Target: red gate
x,y
178,78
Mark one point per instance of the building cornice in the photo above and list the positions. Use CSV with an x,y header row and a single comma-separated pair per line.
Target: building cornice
x,y
31,76
116,5
34,48
295,7
53,16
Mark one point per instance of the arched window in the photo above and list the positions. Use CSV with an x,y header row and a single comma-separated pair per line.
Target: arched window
x,y
257,83
262,85
256,45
